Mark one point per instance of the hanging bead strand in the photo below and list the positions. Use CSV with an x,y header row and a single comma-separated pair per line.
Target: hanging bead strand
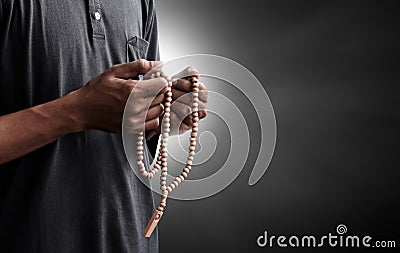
x,y
162,157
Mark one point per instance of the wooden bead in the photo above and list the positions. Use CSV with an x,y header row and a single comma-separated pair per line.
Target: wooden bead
x,y
161,163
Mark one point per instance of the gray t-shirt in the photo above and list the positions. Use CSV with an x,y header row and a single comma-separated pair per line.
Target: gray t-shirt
x,y
77,194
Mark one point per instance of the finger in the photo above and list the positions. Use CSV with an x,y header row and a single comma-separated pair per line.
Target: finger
x,y
157,100
177,125
203,92
154,112
152,124
202,113
150,87
186,86
189,71
183,85
187,99
182,110
132,69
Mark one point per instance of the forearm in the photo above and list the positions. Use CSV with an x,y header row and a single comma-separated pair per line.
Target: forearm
x,y
25,131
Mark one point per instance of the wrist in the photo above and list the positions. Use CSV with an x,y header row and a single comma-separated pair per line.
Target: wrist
x,y
72,108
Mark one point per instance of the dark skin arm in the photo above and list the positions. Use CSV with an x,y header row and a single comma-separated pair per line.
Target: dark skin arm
x,y
97,105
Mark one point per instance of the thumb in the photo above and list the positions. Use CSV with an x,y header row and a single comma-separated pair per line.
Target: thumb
x,y
132,69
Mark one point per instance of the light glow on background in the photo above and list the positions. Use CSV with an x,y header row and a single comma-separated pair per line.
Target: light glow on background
x,y
178,34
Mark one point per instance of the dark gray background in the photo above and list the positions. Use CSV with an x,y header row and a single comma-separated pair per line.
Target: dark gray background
x,y
331,69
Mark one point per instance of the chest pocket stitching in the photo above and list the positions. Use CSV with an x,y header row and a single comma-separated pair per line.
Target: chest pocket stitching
x,y
136,48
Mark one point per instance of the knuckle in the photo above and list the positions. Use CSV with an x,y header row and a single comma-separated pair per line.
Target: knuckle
x,y
135,110
114,68
141,63
154,123
204,95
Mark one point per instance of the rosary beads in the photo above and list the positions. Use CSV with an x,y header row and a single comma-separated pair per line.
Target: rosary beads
x,y
162,152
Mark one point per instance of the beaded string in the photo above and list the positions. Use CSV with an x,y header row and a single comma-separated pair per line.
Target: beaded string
x,y
163,153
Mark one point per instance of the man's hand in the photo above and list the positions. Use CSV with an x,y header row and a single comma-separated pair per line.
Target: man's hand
x,y
98,105
181,118
102,100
